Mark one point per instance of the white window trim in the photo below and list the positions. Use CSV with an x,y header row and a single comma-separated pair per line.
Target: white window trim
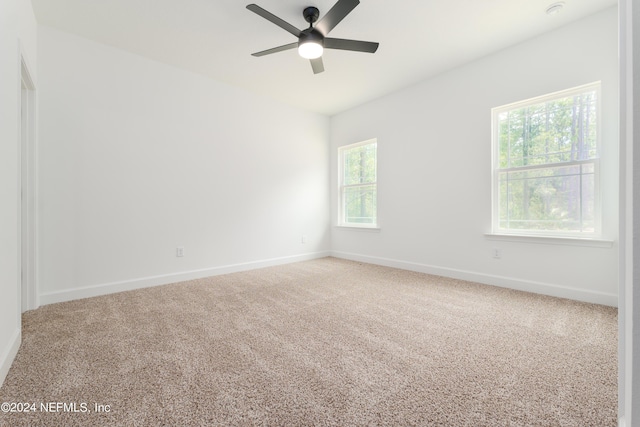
x,y
551,240
340,222
564,236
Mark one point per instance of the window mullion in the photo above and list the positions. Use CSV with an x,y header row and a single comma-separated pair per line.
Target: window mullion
x,y
546,165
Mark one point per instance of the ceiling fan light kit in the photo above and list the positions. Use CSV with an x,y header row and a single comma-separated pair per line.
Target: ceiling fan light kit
x,y
310,49
313,40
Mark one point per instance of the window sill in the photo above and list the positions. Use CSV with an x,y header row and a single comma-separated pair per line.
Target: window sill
x,y
358,227
551,240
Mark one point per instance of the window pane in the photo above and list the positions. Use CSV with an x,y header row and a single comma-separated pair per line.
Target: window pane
x,y
360,165
360,204
558,198
559,130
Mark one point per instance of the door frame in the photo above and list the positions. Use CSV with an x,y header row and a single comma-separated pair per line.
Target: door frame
x,y
27,188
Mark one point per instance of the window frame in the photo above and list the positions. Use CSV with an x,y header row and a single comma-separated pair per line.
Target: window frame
x,y
496,170
342,187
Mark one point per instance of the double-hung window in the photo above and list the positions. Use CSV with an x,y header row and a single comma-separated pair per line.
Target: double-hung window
x,y
546,164
358,166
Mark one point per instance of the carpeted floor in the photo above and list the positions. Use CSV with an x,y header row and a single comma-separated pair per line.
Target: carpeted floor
x,y
323,342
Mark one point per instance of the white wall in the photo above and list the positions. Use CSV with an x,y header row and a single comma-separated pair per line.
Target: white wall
x,y
434,167
138,158
18,34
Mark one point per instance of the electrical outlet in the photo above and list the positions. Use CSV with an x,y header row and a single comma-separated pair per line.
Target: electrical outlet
x,y
180,251
496,253
304,238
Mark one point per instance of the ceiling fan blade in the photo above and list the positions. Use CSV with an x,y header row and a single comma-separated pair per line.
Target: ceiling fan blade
x,y
273,18
335,15
317,65
357,45
276,49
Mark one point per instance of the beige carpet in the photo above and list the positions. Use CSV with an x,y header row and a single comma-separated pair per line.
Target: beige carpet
x,y
323,342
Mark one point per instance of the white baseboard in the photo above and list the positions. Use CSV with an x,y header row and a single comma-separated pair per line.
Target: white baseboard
x,y
9,353
165,279
505,282
488,279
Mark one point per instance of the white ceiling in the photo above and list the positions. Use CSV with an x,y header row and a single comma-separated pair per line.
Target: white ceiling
x,y
418,39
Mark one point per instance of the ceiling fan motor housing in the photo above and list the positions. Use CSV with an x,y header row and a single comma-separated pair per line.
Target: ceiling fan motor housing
x,y
311,35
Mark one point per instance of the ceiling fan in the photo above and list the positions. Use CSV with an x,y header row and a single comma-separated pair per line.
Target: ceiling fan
x,y
313,40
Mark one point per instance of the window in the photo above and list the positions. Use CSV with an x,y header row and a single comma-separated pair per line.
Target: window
x,y
546,164
358,184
